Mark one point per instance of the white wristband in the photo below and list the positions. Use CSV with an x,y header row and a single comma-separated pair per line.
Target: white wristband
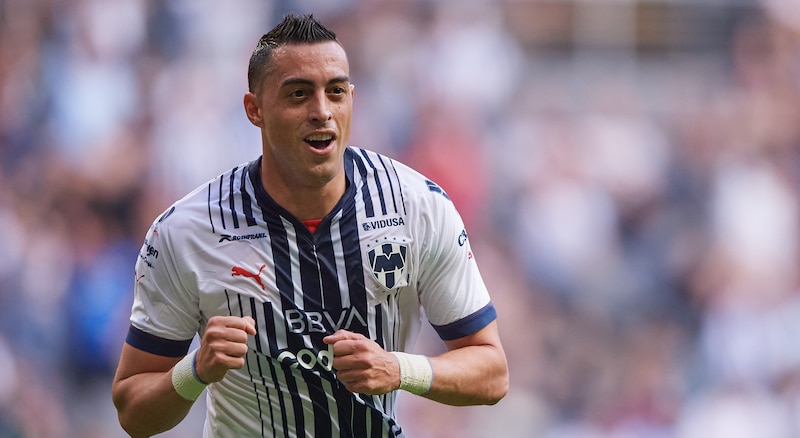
x,y
185,380
416,373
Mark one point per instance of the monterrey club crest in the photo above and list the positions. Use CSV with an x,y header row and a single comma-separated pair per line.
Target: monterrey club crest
x,y
388,263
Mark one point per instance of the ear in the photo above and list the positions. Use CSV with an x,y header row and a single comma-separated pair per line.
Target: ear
x,y
252,110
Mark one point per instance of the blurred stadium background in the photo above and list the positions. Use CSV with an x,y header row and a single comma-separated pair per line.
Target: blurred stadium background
x,y
628,170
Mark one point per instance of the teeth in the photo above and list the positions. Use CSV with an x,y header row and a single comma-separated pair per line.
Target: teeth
x,y
319,137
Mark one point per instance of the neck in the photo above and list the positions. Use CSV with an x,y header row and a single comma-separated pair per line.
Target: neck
x,y
304,202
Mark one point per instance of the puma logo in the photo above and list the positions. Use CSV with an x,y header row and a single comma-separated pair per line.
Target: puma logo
x,y
238,270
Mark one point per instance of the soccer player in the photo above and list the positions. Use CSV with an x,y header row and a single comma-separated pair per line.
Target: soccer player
x,y
304,273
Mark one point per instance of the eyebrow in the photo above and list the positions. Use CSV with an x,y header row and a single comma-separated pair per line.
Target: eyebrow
x,y
303,81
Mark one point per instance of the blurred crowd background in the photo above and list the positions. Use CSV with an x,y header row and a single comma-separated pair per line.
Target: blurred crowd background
x,y
629,172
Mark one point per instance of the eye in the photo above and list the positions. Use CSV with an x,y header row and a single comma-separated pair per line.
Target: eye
x,y
338,90
298,93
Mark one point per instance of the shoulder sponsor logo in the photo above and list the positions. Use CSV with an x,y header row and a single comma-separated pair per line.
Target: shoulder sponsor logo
x,y
462,238
151,251
383,223
388,263
256,276
232,238
148,254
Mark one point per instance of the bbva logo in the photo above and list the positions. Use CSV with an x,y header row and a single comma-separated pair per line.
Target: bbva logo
x,y
388,263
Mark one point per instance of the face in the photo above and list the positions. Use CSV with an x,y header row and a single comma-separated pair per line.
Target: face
x,y
304,109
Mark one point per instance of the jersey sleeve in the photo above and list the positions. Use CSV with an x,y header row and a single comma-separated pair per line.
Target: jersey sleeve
x,y
452,291
165,314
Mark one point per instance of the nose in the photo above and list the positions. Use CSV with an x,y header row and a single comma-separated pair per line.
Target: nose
x,y
320,108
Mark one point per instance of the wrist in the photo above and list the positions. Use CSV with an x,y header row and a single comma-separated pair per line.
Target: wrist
x,y
416,373
185,380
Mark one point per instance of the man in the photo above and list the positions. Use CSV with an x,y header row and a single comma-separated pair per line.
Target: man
x,y
304,273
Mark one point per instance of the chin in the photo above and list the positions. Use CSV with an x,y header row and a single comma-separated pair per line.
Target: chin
x,y
321,175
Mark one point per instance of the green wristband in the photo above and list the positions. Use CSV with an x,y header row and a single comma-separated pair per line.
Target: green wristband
x,y
185,380
416,373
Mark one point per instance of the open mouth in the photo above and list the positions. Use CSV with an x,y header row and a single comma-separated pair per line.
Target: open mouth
x,y
319,141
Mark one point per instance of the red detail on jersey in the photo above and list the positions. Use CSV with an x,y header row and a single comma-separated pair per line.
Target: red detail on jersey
x,y
312,224
137,276
238,270
469,255
155,232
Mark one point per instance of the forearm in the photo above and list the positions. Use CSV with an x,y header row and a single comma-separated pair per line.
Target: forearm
x,y
147,404
471,375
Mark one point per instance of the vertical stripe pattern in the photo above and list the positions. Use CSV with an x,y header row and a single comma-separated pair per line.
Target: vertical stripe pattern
x,y
314,285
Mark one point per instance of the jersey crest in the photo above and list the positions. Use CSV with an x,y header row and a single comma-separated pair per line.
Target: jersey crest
x,y
388,264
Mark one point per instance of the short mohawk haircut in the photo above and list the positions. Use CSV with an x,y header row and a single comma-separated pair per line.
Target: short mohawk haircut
x,y
294,29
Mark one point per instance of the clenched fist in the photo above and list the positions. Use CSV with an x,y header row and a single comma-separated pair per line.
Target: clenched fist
x,y
362,365
223,346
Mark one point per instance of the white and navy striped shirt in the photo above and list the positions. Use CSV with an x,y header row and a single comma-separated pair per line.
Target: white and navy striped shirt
x,y
392,243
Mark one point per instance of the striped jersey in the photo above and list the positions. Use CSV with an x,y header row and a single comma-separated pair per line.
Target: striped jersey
x,y
392,250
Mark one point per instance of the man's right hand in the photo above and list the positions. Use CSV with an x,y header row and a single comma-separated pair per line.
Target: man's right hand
x,y
223,346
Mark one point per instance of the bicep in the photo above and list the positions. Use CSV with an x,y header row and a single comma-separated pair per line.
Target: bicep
x,y
473,370
143,394
488,336
134,361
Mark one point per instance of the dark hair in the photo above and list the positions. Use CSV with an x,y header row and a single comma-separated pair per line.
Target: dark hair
x,y
294,29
